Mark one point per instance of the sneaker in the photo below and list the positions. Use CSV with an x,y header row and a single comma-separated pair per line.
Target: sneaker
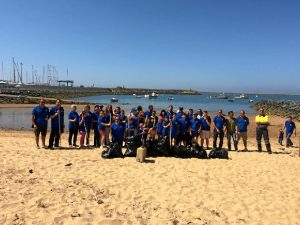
x,y
269,152
37,147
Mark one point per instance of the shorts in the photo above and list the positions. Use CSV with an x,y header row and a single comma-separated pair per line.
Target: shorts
x,y
243,135
102,132
205,134
195,134
40,129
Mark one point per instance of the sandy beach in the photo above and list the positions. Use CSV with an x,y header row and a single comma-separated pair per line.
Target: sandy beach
x,y
79,187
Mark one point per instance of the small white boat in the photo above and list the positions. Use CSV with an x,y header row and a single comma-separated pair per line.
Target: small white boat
x,y
138,96
170,98
114,100
153,95
146,96
242,96
134,94
250,100
219,96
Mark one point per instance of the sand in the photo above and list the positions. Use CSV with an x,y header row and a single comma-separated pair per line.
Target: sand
x,y
79,187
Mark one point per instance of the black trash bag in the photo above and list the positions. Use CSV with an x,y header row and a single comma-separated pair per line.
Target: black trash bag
x,y
197,151
180,151
163,147
113,150
152,150
218,153
132,143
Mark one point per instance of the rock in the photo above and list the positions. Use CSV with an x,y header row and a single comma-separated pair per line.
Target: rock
x,y
76,214
30,171
100,202
69,164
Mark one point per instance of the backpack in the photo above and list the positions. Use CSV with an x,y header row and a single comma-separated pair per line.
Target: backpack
x,y
179,151
163,147
113,150
218,153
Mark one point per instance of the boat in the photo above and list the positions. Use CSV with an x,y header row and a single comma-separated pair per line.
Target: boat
x,y
250,100
170,98
114,100
152,95
242,96
220,96
138,96
231,100
134,94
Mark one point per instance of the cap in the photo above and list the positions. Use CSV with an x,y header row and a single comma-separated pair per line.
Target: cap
x,y
195,114
133,109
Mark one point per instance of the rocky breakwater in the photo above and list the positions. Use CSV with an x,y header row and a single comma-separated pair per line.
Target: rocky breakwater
x,y
282,108
21,99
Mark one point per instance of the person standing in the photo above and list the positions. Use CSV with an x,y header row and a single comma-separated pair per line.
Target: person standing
x,y
40,116
73,126
231,126
103,123
57,124
290,128
262,122
242,128
95,116
88,123
219,127
205,129
183,135
117,132
195,127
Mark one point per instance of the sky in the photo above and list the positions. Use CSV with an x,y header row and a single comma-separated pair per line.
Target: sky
x,y
212,45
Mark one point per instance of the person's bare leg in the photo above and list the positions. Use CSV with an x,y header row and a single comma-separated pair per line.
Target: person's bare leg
x,y
207,143
37,140
44,141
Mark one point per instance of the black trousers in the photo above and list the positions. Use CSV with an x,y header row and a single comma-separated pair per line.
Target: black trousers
x,y
96,137
73,135
87,135
185,137
262,132
221,137
54,137
288,140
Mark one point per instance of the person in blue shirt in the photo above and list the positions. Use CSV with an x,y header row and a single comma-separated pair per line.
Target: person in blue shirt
x,y
88,124
242,128
219,127
174,128
189,115
180,113
130,128
73,126
149,112
166,127
117,132
159,127
205,129
40,116
183,135
95,116
195,127
290,128
170,111
82,128
103,123
57,124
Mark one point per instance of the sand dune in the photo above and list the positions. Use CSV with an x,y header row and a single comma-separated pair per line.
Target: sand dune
x,y
79,187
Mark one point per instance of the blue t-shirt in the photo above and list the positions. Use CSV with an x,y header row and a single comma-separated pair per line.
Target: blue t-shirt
x,y
159,128
54,121
131,129
289,127
117,132
101,120
95,117
73,115
219,122
123,120
40,115
179,115
174,127
204,123
183,126
242,124
195,124
169,114
134,121
165,131
147,114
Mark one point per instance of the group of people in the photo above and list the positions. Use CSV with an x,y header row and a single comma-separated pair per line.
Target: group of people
x,y
180,127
